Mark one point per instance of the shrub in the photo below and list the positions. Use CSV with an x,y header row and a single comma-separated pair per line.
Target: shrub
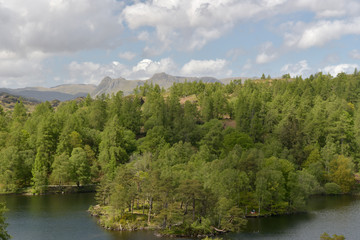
x,y
332,188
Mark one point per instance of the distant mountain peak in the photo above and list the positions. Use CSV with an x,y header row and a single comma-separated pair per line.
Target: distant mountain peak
x,y
161,74
109,85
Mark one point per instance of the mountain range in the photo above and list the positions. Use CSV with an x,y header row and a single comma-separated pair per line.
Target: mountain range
x,y
107,86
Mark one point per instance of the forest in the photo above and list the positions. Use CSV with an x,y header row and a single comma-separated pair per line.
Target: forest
x,y
196,158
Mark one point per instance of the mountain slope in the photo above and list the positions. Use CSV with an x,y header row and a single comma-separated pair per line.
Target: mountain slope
x,y
61,92
109,85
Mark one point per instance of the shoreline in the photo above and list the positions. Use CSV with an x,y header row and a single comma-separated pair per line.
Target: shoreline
x,y
106,219
55,189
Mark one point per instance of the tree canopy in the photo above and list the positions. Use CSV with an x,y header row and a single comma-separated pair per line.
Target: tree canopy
x,y
198,156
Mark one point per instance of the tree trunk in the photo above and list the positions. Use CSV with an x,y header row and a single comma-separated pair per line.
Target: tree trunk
x,y
149,212
259,208
194,209
132,206
143,207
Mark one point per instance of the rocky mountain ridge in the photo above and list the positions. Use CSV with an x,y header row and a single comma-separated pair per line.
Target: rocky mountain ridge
x,y
107,86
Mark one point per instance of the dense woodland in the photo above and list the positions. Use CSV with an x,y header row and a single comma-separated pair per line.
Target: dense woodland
x,y
197,157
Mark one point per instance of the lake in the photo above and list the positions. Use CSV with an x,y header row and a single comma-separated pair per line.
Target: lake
x,y
55,217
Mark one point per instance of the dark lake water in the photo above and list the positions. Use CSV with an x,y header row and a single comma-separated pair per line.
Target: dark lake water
x,y
55,217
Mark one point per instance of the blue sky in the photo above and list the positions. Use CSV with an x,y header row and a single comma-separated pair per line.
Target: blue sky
x,y
53,42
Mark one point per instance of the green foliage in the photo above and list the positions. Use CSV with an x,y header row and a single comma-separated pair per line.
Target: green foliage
x,y
39,171
116,145
341,173
286,76
79,166
61,169
233,137
301,185
326,236
234,220
196,156
332,188
3,225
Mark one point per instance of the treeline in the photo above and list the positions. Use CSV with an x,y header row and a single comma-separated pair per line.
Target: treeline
x,y
197,156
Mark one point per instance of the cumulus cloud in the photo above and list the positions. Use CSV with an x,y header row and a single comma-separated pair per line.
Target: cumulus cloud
x,y
146,68
32,31
92,73
336,69
59,26
264,58
267,53
298,69
21,70
214,68
328,8
190,25
317,34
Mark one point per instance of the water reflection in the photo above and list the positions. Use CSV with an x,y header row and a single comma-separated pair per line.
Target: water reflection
x,y
277,224
332,214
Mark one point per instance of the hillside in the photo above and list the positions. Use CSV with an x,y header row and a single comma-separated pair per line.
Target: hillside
x,y
8,101
61,92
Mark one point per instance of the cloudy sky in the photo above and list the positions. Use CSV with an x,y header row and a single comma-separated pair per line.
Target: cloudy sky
x,y
52,42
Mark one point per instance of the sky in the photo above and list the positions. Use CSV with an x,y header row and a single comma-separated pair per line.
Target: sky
x,y
53,42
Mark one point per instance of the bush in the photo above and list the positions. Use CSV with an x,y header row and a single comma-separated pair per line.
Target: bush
x,y
332,188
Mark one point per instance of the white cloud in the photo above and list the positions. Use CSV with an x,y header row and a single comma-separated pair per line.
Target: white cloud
x,y
92,73
21,70
184,24
213,68
355,54
273,3
146,68
298,69
143,36
317,34
32,31
267,53
89,72
328,8
264,58
336,69
127,55
59,26
189,25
